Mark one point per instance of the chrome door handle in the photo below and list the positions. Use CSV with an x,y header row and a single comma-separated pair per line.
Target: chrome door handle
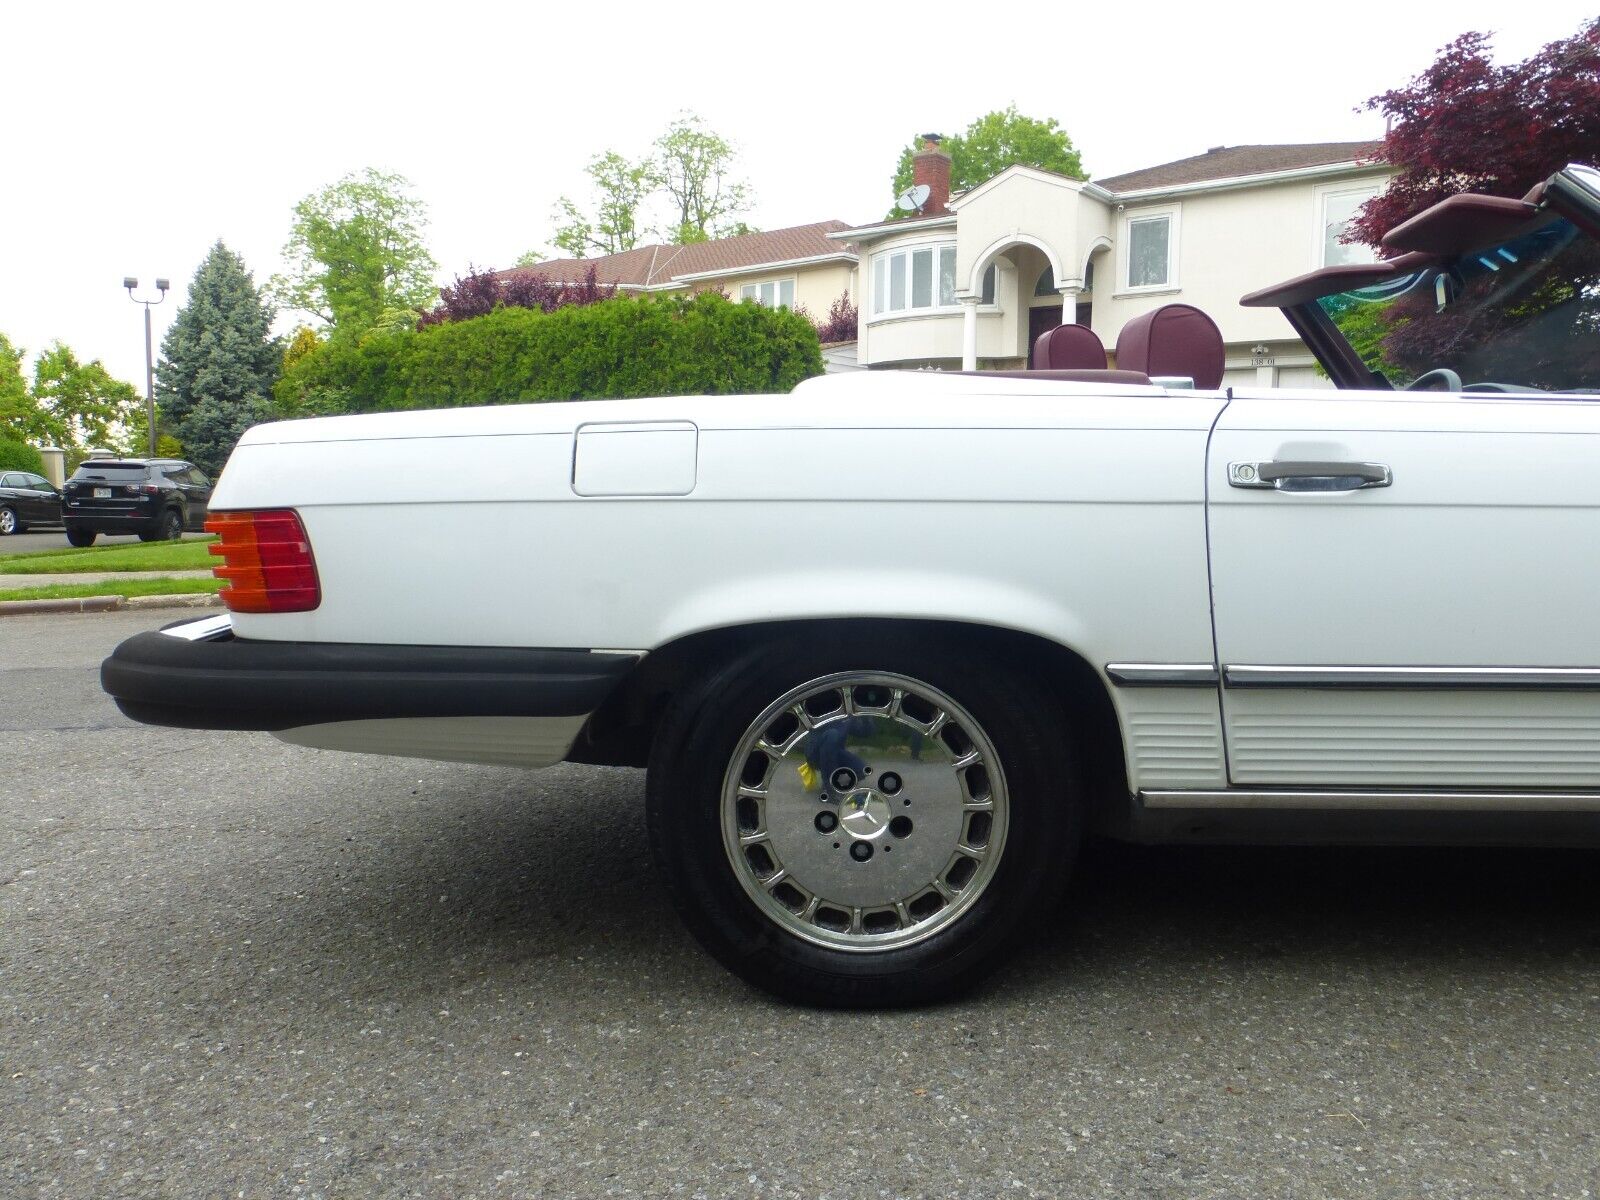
x,y
1309,476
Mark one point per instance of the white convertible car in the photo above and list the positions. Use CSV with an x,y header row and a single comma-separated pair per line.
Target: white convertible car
x,y
891,644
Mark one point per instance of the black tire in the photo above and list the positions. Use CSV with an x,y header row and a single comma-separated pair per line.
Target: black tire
x,y
9,521
80,537
168,528
699,734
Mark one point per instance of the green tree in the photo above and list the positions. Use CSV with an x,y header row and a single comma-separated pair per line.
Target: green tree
x,y
696,168
220,345
18,413
19,456
215,426
356,254
620,188
995,141
79,403
304,341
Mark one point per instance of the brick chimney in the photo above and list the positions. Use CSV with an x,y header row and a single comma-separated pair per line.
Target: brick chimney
x,y
931,165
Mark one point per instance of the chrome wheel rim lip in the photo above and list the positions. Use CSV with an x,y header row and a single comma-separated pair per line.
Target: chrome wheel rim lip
x,y
946,816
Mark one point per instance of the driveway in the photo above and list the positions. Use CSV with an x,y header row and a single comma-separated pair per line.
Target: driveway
x,y
231,966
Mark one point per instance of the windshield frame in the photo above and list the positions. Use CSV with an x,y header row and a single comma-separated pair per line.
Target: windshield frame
x,y
1573,192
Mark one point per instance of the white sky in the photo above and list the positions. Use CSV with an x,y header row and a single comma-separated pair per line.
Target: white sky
x,y
137,134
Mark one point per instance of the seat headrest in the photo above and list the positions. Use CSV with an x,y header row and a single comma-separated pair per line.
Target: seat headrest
x,y
1175,339
1068,348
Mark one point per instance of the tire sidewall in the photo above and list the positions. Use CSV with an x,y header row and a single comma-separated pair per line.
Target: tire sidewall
x,y
13,525
687,773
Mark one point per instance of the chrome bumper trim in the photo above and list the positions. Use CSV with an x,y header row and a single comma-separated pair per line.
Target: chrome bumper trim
x,y
205,629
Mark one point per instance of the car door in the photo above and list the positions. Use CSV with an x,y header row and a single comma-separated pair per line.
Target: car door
x,y
46,500
1404,591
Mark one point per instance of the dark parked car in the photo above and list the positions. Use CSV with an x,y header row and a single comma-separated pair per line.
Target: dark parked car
x,y
157,498
27,499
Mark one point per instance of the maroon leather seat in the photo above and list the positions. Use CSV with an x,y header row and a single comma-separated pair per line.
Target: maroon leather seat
x,y
1175,339
1068,348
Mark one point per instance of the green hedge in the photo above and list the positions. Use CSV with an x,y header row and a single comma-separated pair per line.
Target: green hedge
x,y
672,346
18,456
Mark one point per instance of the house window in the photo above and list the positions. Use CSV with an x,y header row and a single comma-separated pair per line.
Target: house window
x,y
1047,283
917,277
1150,251
991,280
774,293
1338,210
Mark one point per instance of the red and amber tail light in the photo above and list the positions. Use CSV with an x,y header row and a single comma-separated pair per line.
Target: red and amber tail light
x,y
267,563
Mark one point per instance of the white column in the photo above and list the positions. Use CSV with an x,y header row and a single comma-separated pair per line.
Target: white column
x,y
1069,305
969,333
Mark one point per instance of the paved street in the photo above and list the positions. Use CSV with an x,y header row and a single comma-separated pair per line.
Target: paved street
x,y
56,539
234,967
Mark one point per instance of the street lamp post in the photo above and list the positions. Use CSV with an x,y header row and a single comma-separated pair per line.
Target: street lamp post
x,y
162,285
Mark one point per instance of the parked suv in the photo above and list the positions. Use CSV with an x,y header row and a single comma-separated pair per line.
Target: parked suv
x,y
157,498
27,499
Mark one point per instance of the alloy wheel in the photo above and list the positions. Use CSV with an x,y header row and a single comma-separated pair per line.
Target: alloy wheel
x,y
864,811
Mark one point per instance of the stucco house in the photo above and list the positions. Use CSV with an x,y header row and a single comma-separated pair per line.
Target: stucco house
x,y
799,266
972,279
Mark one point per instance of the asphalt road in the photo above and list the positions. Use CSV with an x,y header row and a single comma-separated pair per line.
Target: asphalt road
x,y
56,539
234,967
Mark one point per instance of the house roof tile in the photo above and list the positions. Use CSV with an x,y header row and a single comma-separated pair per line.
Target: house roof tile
x,y
653,265
1228,162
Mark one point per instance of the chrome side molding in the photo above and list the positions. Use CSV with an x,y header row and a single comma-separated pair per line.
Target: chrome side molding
x,y
1250,675
1560,678
1370,801
1162,674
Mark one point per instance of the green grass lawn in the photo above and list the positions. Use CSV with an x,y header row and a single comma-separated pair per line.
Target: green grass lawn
x,y
146,556
125,587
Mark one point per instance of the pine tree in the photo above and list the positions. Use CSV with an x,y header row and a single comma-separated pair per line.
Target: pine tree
x,y
220,346
219,353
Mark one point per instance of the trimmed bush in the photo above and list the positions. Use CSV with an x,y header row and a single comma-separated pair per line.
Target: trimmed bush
x,y
17,456
671,346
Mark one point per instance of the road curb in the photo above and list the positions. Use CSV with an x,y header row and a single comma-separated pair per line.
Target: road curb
x,y
94,604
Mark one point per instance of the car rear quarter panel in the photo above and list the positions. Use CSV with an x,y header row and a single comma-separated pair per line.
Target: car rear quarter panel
x,y
1075,517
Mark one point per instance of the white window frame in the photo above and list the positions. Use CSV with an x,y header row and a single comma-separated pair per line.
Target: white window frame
x,y
1319,243
1173,214
882,268
751,289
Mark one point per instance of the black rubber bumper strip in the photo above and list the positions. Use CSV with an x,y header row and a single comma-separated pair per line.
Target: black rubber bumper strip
x,y
236,683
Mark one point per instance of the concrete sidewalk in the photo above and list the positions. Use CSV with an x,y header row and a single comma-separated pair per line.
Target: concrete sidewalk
x,y
27,581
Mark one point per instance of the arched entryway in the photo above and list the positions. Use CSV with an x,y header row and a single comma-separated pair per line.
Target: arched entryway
x,y
1009,274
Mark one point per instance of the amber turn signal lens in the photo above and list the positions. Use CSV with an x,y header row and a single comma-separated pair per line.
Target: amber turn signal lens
x,y
267,561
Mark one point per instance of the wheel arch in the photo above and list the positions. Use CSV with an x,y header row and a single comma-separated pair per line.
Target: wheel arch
x,y
621,731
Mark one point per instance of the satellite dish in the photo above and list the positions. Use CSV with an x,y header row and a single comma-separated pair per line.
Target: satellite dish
x,y
913,198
